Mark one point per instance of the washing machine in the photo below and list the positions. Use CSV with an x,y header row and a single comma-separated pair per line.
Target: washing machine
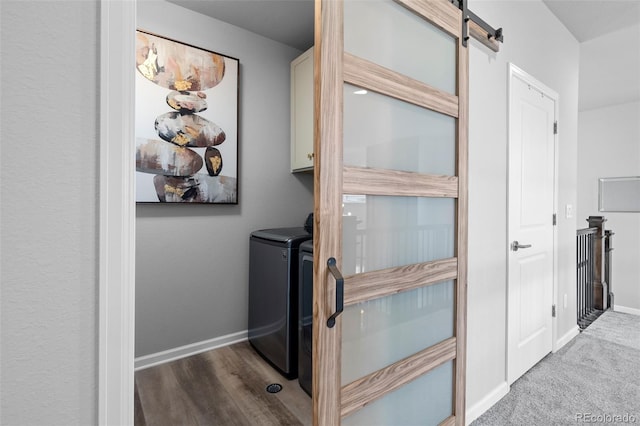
x,y
305,315
273,296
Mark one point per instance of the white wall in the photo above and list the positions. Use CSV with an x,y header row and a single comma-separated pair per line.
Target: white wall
x,y
192,261
610,147
610,69
49,228
539,44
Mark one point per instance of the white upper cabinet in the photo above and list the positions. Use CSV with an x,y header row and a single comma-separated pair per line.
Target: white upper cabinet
x,y
302,112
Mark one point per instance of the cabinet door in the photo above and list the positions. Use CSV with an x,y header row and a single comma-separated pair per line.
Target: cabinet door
x,y
302,112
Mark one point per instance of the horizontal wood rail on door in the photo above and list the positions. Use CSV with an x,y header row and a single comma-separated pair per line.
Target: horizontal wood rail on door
x,y
376,78
439,13
450,21
375,284
359,393
370,181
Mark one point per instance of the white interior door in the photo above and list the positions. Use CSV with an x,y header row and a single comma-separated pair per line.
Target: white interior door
x,y
531,209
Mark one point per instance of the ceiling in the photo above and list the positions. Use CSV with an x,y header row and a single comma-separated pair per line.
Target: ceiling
x,y
288,21
291,21
589,19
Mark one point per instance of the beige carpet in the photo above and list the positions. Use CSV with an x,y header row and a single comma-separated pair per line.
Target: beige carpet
x,y
595,378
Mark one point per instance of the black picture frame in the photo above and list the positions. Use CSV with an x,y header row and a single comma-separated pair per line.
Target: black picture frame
x,y
186,123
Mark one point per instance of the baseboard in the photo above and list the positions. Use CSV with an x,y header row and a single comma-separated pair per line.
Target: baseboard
x,y
151,360
566,338
487,402
625,310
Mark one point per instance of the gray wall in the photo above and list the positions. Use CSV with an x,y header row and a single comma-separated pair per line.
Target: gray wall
x,y
609,69
49,228
609,146
551,56
192,261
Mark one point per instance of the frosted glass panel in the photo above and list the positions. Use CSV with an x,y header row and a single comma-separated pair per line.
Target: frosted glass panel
x,y
383,132
383,232
426,401
377,333
387,34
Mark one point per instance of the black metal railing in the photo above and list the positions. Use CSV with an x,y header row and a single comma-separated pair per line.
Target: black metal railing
x,y
593,271
587,311
608,240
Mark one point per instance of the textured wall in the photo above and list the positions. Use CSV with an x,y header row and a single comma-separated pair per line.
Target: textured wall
x,y
551,56
192,261
49,108
610,147
609,69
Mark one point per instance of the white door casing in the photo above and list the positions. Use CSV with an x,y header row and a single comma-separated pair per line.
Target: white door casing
x,y
117,213
531,206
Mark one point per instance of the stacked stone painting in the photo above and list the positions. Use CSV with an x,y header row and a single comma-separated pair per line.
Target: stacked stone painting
x,y
186,123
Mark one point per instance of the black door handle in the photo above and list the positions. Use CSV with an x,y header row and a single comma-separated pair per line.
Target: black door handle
x,y
331,264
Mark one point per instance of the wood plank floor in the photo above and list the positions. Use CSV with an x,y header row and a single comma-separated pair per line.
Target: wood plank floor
x,y
226,386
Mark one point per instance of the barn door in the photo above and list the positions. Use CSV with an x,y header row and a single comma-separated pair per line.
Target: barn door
x,y
391,213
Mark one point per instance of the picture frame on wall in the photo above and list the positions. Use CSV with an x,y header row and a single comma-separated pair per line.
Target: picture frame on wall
x,y
186,121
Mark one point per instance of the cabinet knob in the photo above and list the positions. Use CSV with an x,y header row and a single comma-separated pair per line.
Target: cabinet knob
x,y
310,156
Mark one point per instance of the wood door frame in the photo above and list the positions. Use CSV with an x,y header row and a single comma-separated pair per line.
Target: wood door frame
x,y
328,43
516,72
330,74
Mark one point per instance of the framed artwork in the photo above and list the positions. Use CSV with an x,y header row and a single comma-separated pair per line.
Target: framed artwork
x,y
619,194
186,123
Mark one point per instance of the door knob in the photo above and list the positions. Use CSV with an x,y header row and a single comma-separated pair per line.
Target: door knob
x,y
516,245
